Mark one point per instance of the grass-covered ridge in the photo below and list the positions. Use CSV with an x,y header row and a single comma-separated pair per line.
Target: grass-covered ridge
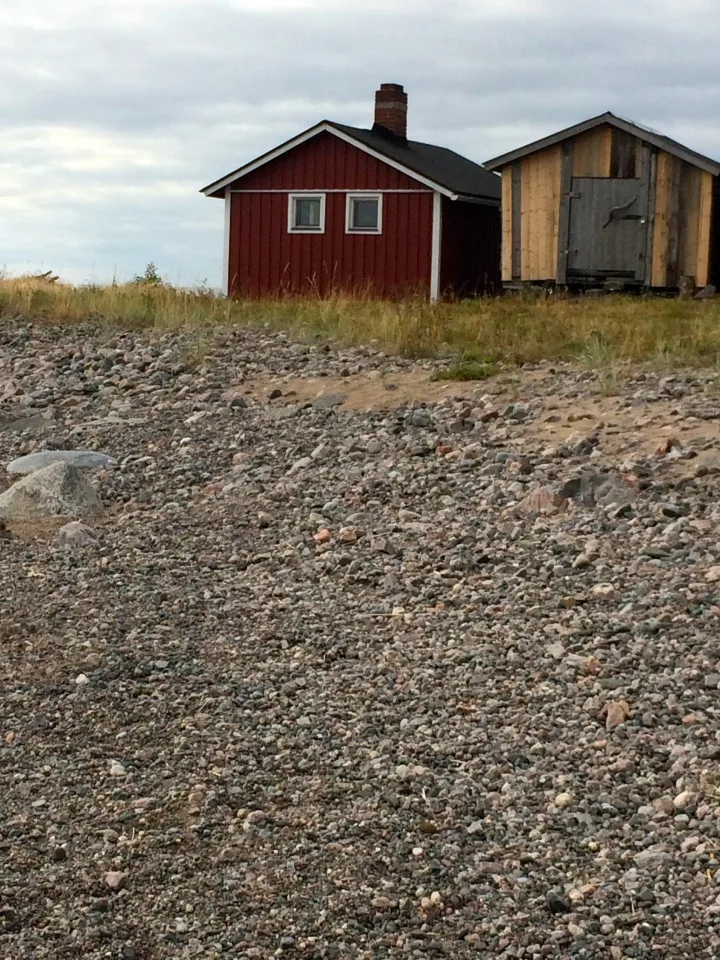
x,y
598,331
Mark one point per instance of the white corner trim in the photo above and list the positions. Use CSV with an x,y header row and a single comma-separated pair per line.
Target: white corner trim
x,y
363,195
226,244
323,127
306,195
436,248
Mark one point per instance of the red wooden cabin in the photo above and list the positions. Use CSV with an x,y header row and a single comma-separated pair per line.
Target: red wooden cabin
x,y
364,212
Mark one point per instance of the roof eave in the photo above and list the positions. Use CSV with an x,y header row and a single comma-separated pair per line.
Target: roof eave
x,y
479,199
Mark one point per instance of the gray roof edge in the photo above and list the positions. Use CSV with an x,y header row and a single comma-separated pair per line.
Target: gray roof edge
x,y
656,139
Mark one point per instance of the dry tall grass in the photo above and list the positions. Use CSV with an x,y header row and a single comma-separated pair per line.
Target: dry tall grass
x,y
511,329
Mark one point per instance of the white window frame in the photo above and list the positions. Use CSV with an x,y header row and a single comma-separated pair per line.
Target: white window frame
x,y
305,195
363,195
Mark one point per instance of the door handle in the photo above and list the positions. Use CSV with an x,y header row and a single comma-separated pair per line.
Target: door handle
x,y
618,209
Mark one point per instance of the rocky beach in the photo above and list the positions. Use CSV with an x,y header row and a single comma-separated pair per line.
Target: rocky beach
x,y
333,659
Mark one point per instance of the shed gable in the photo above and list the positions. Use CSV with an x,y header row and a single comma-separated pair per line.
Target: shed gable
x,y
578,130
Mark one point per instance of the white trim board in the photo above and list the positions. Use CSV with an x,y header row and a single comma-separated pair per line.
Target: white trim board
x,y
436,248
335,190
322,127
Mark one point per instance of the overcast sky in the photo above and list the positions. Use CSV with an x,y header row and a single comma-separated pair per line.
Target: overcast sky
x,y
115,114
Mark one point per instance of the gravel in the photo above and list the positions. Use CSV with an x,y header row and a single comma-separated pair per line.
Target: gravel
x,y
323,682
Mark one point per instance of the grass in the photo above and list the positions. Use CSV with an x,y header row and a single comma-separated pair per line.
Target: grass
x,y
476,336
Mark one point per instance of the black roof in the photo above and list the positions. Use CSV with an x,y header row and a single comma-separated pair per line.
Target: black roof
x,y
649,136
444,167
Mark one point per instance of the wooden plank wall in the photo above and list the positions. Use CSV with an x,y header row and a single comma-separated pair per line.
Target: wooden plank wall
x,y
540,175
702,277
516,216
683,218
662,207
592,153
627,157
507,215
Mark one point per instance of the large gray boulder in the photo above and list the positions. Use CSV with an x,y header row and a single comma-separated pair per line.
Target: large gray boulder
x,y
58,490
82,459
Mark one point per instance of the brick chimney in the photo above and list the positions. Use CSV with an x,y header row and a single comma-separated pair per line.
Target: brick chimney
x,y
391,104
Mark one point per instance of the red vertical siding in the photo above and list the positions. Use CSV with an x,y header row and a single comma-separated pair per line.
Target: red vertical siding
x,y
470,249
265,260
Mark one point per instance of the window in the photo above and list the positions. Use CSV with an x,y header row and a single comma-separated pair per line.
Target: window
x,y
306,213
364,213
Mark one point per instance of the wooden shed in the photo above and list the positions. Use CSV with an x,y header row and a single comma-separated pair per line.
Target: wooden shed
x,y
607,202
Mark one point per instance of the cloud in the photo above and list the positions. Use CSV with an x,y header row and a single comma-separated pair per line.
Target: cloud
x,y
116,114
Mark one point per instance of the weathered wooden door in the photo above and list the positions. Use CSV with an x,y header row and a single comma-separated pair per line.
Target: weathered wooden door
x,y
608,228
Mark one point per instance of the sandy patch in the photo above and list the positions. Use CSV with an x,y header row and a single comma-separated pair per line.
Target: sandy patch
x,y
623,431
